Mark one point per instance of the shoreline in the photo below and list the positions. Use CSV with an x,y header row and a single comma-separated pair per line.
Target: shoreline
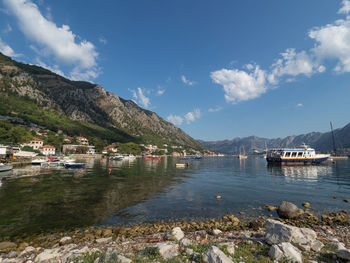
x,y
133,240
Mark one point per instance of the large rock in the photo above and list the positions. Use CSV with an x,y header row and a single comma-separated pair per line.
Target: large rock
x,y
285,250
288,210
123,259
344,254
215,255
177,233
277,232
48,256
168,251
65,241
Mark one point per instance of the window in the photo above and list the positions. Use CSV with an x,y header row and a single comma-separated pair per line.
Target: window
x,y
294,154
287,154
300,154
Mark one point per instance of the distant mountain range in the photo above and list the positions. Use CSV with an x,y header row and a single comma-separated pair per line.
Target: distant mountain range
x,y
322,142
42,97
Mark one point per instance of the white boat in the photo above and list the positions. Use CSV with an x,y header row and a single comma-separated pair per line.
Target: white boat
x,y
295,156
5,167
38,161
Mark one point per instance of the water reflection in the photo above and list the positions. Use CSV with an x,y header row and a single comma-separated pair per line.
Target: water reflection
x,y
304,173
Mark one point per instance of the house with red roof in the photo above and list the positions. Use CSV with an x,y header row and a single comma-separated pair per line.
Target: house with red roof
x,y
47,150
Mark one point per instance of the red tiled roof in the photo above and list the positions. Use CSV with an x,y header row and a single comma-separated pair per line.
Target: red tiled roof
x,y
48,146
36,139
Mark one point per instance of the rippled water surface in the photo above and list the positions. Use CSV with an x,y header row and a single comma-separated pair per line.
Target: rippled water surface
x,y
34,199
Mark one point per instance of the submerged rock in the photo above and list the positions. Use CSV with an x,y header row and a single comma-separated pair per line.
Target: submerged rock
x,y
288,210
344,254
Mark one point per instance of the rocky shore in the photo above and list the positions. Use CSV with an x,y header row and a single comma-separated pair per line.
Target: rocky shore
x,y
295,236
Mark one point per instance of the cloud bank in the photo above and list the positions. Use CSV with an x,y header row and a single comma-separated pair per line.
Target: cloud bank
x,y
332,42
54,40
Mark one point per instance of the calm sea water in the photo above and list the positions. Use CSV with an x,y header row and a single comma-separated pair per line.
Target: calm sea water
x,y
34,199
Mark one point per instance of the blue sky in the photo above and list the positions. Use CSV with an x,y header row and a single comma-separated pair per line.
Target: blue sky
x,y
217,69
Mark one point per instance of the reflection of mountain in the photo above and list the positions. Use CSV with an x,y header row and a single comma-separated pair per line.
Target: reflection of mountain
x,y
60,202
307,173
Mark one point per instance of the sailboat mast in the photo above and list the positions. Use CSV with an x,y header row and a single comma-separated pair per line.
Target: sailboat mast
x,y
334,148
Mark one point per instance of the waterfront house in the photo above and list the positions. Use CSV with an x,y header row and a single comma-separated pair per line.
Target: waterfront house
x,y
72,148
112,147
47,150
5,151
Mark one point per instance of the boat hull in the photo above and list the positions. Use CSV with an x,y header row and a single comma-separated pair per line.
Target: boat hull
x,y
296,161
74,165
5,168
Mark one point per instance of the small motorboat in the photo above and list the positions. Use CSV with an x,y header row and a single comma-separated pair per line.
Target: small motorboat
x,y
38,161
153,157
5,167
74,165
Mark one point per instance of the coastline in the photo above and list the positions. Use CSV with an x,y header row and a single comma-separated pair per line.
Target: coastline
x,y
138,242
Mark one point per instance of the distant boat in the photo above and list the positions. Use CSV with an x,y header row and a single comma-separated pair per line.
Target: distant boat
x,y
5,167
295,156
38,161
152,157
241,154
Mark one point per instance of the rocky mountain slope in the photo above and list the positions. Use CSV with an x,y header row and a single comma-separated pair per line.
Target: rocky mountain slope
x,y
80,107
320,141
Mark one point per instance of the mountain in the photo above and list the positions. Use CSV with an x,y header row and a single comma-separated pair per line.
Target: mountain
x,y
42,97
320,141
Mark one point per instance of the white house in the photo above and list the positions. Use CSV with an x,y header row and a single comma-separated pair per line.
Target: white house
x,y
47,150
82,140
35,143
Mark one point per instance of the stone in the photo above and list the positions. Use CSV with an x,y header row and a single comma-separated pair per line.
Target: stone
x,y
107,233
306,204
122,259
277,232
229,246
215,255
270,208
7,245
189,251
338,245
344,254
65,241
288,210
12,254
48,255
216,232
168,251
185,242
28,250
103,240
316,245
177,233
285,250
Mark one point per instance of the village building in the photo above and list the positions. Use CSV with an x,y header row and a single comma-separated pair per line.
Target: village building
x,y
47,150
112,147
71,148
82,140
35,143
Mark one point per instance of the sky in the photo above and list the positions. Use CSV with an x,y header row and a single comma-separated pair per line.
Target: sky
x,y
216,69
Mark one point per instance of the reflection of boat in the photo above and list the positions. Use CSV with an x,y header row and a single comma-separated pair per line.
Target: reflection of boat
x,y
191,158
153,157
5,167
292,156
335,156
241,154
116,157
300,173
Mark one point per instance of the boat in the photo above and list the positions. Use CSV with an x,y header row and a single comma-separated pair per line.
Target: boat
x,y
5,167
116,157
74,165
153,157
303,155
240,155
38,161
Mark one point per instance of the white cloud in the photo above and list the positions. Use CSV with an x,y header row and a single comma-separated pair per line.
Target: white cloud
x,y
293,64
7,50
187,82
216,109
240,85
55,68
160,91
59,41
7,29
345,9
333,42
174,119
192,116
299,105
141,98
102,40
